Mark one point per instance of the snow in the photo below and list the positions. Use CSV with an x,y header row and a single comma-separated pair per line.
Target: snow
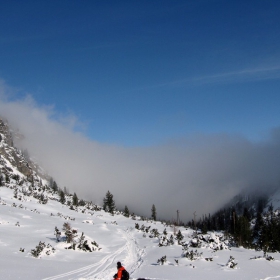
x,y
24,226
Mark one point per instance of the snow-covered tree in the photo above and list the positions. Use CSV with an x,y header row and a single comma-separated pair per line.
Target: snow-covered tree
x,y
179,237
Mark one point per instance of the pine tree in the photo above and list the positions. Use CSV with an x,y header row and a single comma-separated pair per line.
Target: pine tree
x,y
259,223
126,211
75,199
179,237
65,191
154,212
54,186
69,232
109,203
7,178
57,234
171,240
243,232
81,202
62,197
261,204
246,213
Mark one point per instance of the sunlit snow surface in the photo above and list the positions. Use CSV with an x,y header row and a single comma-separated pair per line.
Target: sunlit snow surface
x,y
26,223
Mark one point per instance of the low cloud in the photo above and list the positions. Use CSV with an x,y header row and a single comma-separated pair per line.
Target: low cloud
x,y
197,174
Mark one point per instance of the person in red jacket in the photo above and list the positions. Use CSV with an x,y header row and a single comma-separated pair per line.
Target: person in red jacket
x,y
118,275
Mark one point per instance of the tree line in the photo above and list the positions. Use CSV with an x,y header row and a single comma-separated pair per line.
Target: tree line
x,y
254,228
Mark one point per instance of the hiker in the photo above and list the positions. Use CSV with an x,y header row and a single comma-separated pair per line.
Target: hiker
x,y
119,275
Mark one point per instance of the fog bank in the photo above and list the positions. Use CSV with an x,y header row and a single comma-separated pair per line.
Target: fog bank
x,y
196,174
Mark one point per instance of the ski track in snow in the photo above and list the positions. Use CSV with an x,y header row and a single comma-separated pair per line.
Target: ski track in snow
x,y
135,254
103,269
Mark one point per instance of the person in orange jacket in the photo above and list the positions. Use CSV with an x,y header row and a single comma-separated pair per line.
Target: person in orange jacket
x,y
118,275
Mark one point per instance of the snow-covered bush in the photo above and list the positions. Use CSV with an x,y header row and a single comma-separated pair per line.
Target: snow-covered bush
x,y
154,233
165,241
42,248
231,262
86,245
214,240
162,260
192,255
265,256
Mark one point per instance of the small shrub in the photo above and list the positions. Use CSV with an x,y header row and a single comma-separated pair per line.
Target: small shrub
x,y
162,260
231,262
192,255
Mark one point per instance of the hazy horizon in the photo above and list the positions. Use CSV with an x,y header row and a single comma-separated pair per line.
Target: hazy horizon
x,y
200,173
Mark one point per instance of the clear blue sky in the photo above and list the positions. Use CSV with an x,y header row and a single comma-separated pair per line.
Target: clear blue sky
x,y
144,72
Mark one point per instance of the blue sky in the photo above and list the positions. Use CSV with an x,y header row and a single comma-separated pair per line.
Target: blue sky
x,y
140,73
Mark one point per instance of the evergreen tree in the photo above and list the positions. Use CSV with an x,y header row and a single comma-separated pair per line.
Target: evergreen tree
x,y
54,186
126,211
51,182
57,234
62,197
204,228
233,218
246,213
70,233
243,232
171,240
75,199
269,236
7,178
65,191
261,204
154,212
259,223
179,237
274,235
109,203
81,202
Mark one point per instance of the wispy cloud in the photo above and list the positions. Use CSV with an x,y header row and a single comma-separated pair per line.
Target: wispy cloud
x,y
228,77
197,174
249,74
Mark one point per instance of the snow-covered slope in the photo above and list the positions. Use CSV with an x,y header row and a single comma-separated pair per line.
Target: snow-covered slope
x,y
29,248
26,222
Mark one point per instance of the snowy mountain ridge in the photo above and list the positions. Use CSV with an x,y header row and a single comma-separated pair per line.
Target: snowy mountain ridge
x,y
42,237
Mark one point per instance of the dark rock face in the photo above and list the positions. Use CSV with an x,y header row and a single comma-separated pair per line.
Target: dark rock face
x,y
5,133
10,153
